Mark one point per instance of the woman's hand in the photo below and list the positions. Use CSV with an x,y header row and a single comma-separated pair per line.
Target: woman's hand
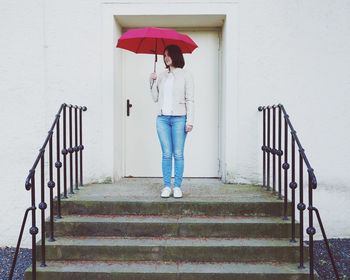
x,y
189,128
153,76
152,79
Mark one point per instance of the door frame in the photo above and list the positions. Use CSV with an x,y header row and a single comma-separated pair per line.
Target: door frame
x,y
124,98
113,21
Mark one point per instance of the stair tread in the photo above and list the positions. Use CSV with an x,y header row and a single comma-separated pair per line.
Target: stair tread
x,y
171,267
184,200
170,241
213,191
171,219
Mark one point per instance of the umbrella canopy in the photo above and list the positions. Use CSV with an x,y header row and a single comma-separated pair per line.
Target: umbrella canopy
x,y
153,40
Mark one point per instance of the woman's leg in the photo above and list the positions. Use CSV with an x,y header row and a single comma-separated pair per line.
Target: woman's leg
x,y
164,135
178,138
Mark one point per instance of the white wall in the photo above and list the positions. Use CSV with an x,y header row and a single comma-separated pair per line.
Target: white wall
x,y
50,53
292,52
298,53
22,127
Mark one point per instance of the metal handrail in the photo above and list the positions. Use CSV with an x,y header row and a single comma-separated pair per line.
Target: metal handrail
x,y
30,179
326,242
19,242
312,181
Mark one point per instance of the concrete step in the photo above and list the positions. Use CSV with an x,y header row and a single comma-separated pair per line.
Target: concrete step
x,y
170,270
171,249
201,197
162,226
173,207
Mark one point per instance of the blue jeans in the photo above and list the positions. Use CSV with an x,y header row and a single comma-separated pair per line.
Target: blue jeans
x,y
172,135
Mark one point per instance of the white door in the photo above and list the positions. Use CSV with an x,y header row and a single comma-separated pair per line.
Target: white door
x,y
142,147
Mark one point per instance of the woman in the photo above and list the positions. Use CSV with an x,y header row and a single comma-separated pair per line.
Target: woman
x,y
173,90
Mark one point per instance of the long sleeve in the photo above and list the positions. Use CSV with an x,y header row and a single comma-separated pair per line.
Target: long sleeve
x,y
154,89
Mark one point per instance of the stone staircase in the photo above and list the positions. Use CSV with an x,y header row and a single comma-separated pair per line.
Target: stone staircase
x,y
216,231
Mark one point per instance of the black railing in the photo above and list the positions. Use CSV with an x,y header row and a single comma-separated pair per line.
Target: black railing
x,y
293,185
76,151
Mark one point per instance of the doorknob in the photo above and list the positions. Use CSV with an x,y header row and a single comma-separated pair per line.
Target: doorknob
x,y
128,106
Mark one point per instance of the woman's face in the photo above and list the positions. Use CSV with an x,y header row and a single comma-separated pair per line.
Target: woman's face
x,y
167,59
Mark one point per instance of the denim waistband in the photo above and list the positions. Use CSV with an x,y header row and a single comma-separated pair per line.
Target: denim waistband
x,y
174,116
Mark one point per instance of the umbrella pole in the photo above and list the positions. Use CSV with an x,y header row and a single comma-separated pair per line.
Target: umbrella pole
x,y
154,68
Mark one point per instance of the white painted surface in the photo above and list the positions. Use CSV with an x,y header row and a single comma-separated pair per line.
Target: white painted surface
x,y
111,36
293,52
142,148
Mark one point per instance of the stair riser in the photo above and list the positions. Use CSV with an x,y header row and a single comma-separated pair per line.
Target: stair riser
x,y
243,230
162,276
167,253
174,208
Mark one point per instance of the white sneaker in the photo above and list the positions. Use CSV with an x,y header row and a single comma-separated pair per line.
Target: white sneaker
x,y
177,192
166,192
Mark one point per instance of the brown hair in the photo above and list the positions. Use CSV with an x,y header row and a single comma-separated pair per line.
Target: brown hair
x,y
176,55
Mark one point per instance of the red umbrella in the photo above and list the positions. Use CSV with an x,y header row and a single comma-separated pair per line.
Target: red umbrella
x,y
153,40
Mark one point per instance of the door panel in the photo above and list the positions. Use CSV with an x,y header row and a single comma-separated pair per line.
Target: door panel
x,y
142,148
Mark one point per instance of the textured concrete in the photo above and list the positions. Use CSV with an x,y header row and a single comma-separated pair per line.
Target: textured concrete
x,y
173,249
216,231
249,227
169,270
195,190
212,208
201,197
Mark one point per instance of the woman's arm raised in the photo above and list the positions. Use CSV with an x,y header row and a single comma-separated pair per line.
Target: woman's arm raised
x,y
154,86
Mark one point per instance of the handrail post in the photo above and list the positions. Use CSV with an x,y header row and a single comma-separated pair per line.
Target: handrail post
x,y
70,150
280,153
301,208
274,151
51,185
81,146
293,185
263,148
42,207
33,230
311,230
75,149
268,149
285,166
64,152
58,166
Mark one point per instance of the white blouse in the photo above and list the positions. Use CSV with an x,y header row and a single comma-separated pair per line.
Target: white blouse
x,y
167,108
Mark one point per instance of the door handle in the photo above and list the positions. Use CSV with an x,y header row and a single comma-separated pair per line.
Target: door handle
x,y
128,106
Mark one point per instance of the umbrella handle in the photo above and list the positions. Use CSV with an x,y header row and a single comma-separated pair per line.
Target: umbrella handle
x,y
155,62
